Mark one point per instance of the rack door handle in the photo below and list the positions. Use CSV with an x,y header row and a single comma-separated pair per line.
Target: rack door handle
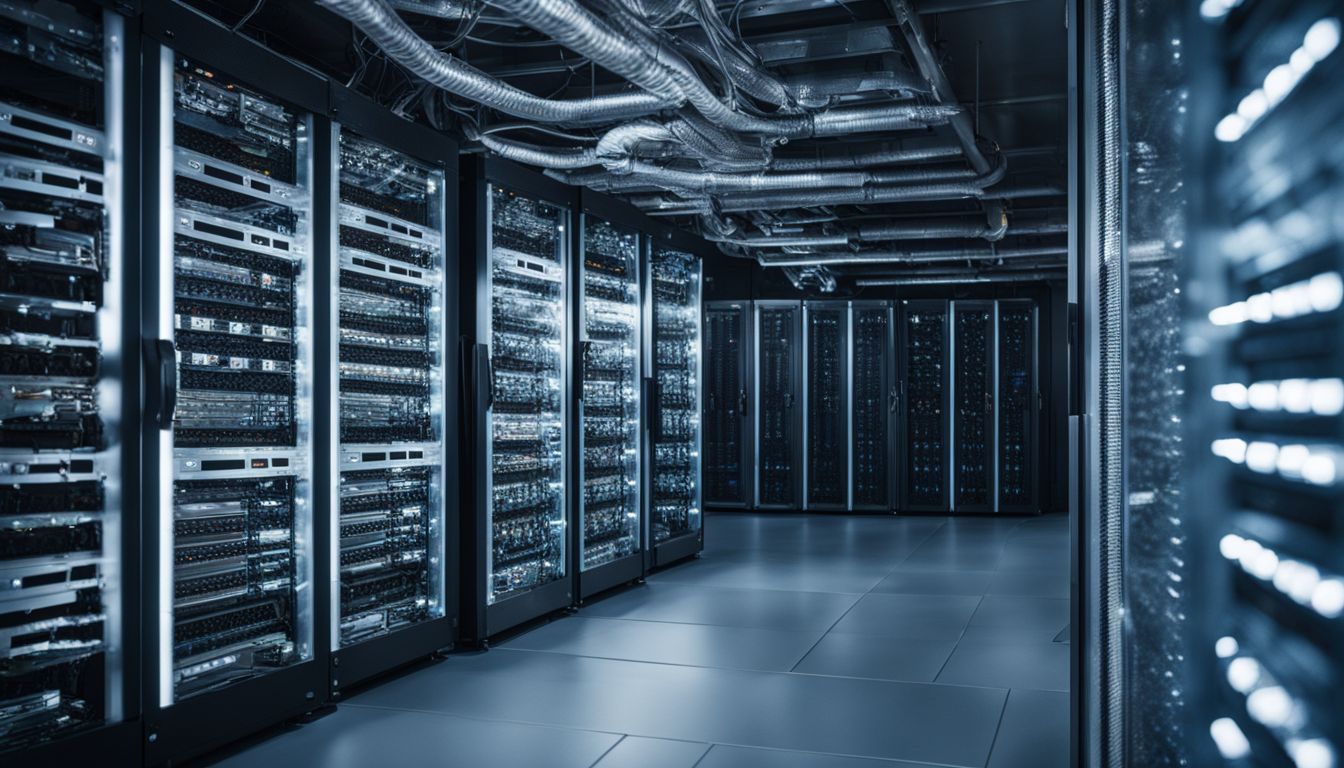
x,y
165,362
485,385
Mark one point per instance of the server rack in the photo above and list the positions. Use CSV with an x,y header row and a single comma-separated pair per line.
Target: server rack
x,y
393,526
778,416
827,377
69,554
233,340
926,377
1018,407
609,440
728,412
875,403
516,296
676,524
974,455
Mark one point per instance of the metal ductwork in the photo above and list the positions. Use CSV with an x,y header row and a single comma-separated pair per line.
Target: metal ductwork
x,y
905,257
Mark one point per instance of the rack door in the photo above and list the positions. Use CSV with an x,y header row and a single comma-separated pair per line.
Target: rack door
x,y
925,366
526,416
779,438
611,435
873,407
727,405
388,526
65,579
973,422
1018,406
675,276
826,412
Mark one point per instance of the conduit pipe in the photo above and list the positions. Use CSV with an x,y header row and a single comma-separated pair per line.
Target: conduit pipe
x,y
903,257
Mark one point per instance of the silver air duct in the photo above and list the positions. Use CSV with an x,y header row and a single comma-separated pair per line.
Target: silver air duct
x,y
904,257
377,20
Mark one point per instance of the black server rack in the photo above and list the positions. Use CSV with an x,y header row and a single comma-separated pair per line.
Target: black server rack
x,y
515,297
393,525
233,335
974,345
1266,399
609,365
779,414
69,388
826,412
676,523
728,423
926,427
1018,405
873,407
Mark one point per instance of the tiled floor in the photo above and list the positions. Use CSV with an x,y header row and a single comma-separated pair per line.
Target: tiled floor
x,y
794,642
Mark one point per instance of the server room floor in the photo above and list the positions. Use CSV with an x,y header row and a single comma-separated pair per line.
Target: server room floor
x,y
796,641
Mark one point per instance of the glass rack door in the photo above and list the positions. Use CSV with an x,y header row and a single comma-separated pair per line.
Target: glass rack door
x,y
973,337
676,444
827,404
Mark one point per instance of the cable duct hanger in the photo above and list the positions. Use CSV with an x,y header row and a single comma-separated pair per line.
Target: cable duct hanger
x,y
773,165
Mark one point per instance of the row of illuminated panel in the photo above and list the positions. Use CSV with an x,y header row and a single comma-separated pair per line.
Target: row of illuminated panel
x,y
1274,631
872,405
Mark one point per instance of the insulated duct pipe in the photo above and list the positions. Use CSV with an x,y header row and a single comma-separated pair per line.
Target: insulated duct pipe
x,y
873,233
804,198
903,257
377,20
1011,277
888,153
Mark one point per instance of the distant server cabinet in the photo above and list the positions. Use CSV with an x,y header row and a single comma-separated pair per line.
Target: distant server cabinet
x,y
234,344
516,297
926,435
826,411
393,572
676,522
1018,403
728,430
973,414
609,366
779,412
69,389
874,399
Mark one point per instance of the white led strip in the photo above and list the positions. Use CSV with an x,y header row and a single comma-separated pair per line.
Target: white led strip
x,y
1271,705
1301,582
1321,397
1322,293
1315,464
1320,41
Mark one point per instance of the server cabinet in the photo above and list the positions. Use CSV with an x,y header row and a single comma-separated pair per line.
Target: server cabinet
x,y
728,423
926,426
1018,407
675,520
826,412
779,422
69,389
231,474
516,295
974,346
393,590
609,364
873,406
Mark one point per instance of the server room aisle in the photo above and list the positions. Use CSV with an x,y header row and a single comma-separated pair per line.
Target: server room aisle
x,y
794,642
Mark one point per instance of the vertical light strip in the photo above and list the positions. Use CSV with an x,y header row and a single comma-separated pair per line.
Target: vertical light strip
x,y
165,476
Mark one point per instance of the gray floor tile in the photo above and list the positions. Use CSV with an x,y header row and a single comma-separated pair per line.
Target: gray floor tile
x,y
908,615
700,645
1035,583
936,723
781,572
722,756
1034,732
1026,633
936,582
1017,611
640,752
763,608
879,657
1039,666
356,737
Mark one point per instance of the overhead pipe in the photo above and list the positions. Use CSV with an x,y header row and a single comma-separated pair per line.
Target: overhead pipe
x,y
870,233
992,277
893,152
904,257
802,198
387,30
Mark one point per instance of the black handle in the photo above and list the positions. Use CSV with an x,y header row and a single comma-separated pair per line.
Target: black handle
x,y
655,408
742,403
165,355
466,391
585,349
645,403
486,369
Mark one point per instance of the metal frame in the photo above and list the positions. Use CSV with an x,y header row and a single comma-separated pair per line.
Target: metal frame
x,y
691,542
796,411
743,310
193,726
1033,451
361,661
889,410
482,620
991,420
847,365
120,736
904,308
633,566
